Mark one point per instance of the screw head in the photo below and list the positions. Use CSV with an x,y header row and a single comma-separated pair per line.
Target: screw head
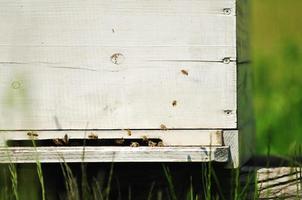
x,y
16,85
226,60
227,11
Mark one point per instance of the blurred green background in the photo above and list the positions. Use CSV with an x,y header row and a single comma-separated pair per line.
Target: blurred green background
x,y
277,69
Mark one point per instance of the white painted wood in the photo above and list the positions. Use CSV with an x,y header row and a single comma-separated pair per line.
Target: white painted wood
x,y
168,137
44,96
91,57
232,140
134,7
112,154
103,64
117,23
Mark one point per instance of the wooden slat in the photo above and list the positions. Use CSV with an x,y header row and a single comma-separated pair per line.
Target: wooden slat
x,y
45,96
168,137
117,23
139,7
279,183
92,57
112,154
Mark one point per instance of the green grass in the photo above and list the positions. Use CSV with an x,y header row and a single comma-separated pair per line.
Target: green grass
x,y
277,65
214,183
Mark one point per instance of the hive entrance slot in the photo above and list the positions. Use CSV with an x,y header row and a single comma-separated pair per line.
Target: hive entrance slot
x,y
85,142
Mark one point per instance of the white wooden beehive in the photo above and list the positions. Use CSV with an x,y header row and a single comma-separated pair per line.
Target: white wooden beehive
x,y
172,70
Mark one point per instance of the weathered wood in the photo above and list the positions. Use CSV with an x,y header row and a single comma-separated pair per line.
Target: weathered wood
x,y
272,177
280,182
112,154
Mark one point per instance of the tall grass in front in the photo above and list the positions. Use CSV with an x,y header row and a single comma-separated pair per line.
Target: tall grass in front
x,y
39,171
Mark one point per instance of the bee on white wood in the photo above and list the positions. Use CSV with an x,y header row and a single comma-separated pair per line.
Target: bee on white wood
x,y
185,72
32,134
92,136
129,133
163,127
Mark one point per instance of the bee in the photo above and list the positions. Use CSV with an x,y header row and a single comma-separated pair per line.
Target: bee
x,y
185,72
92,136
145,139
128,132
160,144
174,103
151,143
119,141
58,142
163,127
32,134
134,144
65,139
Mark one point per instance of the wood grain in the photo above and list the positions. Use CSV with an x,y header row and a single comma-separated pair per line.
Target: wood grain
x,y
280,182
112,154
117,64
45,96
117,23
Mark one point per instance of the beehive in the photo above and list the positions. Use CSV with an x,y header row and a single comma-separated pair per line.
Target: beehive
x,y
172,71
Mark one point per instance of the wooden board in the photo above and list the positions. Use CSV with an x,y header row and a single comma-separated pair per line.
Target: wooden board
x,y
117,23
269,181
102,64
137,97
112,154
279,183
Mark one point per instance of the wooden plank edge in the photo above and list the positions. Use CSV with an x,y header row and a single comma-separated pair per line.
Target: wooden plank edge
x,y
112,154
